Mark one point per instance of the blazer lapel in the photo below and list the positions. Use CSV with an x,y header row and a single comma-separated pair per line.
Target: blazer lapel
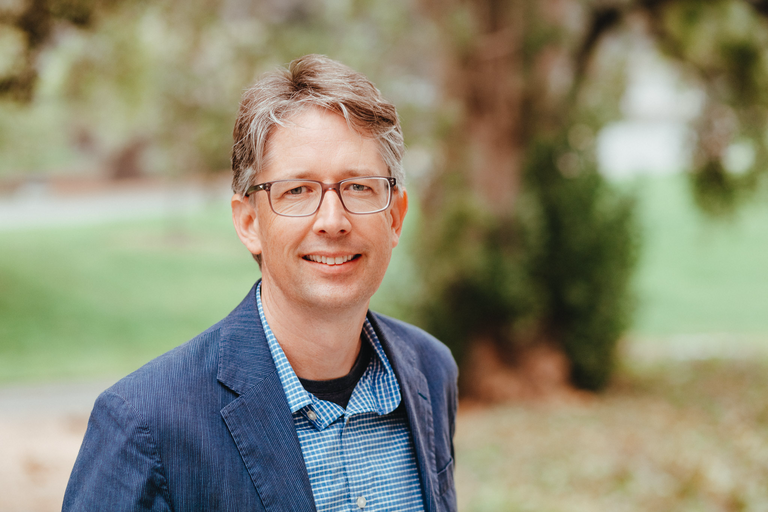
x,y
418,406
259,419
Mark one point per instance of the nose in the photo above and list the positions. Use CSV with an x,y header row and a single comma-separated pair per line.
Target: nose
x,y
332,218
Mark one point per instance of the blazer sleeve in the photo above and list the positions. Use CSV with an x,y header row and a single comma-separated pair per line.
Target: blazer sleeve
x,y
453,406
118,467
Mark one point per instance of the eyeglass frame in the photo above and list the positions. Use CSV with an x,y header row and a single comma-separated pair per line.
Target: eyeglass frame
x,y
324,188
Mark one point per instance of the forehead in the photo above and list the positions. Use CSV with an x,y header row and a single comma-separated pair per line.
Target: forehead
x,y
318,144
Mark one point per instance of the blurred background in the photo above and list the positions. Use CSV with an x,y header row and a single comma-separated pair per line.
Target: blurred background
x,y
588,228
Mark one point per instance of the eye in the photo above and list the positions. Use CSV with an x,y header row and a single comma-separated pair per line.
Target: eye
x,y
297,190
358,187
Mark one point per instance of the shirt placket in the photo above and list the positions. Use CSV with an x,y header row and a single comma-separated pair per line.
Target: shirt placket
x,y
360,477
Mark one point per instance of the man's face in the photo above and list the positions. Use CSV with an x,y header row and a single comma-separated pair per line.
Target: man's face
x,y
318,145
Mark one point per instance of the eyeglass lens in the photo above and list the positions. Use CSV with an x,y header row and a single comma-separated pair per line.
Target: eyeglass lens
x,y
296,197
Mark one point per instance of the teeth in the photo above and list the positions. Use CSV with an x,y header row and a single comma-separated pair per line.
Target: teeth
x,y
329,260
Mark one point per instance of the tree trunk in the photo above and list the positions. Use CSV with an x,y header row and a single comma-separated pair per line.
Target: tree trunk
x,y
484,76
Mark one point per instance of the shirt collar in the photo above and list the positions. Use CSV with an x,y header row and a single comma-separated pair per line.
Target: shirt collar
x,y
377,391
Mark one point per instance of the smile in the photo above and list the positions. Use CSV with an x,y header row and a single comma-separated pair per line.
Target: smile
x,y
330,260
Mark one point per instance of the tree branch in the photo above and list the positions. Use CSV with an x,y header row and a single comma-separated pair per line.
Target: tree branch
x,y
603,19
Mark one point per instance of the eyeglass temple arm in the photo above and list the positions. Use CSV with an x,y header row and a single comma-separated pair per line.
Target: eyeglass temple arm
x,y
256,188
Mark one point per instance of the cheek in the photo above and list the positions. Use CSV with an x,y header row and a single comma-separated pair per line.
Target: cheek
x,y
265,231
282,236
385,237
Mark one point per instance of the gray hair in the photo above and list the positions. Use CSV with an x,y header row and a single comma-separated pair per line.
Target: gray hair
x,y
311,81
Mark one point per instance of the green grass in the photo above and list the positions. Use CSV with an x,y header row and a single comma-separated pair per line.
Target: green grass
x,y
78,303
102,300
697,274
93,301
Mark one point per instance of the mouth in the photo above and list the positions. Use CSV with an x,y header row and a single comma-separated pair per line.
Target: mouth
x,y
331,260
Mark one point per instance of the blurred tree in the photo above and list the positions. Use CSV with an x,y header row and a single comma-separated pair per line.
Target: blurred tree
x,y
27,26
721,47
156,85
524,243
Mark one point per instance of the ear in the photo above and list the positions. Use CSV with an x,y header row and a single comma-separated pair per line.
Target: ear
x,y
397,212
246,223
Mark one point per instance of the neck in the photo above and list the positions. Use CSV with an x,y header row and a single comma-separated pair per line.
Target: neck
x,y
320,343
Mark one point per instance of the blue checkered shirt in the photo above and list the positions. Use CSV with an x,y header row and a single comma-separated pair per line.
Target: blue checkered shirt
x,y
361,457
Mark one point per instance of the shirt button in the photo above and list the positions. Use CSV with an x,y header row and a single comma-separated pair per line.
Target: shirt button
x,y
312,415
361,502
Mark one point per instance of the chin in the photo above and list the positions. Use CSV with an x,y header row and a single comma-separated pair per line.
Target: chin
x,y
338,297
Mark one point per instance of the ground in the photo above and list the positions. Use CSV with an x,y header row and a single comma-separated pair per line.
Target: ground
x,y
670,434
42,427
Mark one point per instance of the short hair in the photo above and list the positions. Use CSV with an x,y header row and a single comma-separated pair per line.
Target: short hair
x,y
311,81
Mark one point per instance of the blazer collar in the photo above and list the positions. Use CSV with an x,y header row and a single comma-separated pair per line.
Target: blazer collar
x,y
259,419
244,357
417,402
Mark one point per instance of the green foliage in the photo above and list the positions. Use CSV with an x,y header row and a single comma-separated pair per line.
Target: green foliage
x,y
583,260
476,279
714,190
721,46
559,268
554,266
559,271
35,21
165,78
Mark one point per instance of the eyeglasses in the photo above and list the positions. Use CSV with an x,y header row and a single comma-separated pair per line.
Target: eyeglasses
x,y
301,198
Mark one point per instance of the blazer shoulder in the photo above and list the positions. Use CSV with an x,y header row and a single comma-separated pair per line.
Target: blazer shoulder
x,y
183,367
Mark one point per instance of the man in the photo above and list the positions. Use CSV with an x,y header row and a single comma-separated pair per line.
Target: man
x,y
301,399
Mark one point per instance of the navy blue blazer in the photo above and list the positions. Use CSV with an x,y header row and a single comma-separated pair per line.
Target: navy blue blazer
x,y
207,426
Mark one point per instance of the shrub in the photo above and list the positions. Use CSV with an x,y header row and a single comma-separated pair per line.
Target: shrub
x,y
558,271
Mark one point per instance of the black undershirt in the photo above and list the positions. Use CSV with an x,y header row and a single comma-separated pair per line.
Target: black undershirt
x,y
339,391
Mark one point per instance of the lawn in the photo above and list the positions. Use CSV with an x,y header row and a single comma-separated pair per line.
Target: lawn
x,y
99,301
82,302
697,274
